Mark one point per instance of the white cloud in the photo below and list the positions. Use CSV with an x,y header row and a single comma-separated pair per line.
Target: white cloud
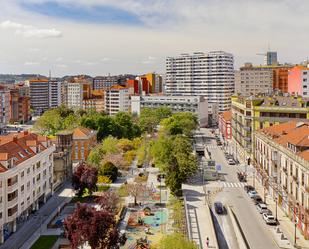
x,y
59,59
29,31
105,59
62,66
31,63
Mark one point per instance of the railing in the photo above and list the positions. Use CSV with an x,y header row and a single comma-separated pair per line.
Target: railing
x,y
13,202
12,187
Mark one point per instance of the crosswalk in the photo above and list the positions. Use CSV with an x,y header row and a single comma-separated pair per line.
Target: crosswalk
x,y
233,184
212,146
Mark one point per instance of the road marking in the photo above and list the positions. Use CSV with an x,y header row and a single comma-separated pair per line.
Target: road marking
x,y
232,184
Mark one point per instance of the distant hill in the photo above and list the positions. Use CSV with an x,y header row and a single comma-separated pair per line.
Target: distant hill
x,y
12,78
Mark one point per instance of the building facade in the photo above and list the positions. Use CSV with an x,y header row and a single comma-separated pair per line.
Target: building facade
x,y
280,77
4,107
26,178
224,125
257,112
84,140
251,80
298,81
117,99
55,93
194,104
281,159
39,95
19,106
210,75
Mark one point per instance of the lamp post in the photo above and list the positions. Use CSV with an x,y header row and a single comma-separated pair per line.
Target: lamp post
x,y
295,233
276,198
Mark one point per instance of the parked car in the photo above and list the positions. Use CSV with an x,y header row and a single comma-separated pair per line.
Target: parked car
x,y
257,199
231,161
219,143
219,208
252,193
248,188
269,219
262,208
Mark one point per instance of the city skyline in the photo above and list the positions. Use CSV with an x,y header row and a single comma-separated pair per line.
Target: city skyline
x,y
135,36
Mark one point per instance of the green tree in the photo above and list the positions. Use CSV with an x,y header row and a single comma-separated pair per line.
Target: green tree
x,y
150,118
109,145
176,241
127,129
49,123
95,156
180,123
110,170
173,155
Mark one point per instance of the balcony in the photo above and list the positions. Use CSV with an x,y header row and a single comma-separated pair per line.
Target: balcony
x,y
12,202
12,187
12,217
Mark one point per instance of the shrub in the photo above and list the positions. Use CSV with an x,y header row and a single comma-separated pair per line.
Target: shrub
x,y
110,170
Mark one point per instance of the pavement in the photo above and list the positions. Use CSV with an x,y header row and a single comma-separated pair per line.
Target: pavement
x,y
255,230
199,216
36,225
285,224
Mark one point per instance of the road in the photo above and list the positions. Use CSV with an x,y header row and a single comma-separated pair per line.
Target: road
x,y
232,194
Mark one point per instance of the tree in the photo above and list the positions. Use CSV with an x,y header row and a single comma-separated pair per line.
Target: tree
x,y
97,227
150,118
136,190
180,123
173,155
110,170
85,177
176,241
109,201
127,129
49,123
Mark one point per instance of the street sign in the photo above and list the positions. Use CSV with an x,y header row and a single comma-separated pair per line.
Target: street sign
x,y
218,167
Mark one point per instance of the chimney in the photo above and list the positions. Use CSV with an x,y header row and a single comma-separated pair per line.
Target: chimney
x,y
15,138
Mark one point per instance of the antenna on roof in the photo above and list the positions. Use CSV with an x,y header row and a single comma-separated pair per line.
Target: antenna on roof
x,y
49,75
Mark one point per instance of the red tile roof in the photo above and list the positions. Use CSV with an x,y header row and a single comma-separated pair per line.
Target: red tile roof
x,y
20,147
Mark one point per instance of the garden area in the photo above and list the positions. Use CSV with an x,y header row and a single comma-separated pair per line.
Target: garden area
x,y
128,192
45,242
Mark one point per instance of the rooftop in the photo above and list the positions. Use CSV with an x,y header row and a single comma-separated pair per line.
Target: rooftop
x,y
83,133
290,133
20,146
227,115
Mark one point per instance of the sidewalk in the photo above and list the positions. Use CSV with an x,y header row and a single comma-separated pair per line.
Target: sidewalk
x,y
286,225
199,217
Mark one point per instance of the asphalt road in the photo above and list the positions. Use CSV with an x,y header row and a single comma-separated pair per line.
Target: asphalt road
x,y
255,230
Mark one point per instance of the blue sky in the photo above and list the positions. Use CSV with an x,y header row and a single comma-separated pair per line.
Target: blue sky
x,y
98,37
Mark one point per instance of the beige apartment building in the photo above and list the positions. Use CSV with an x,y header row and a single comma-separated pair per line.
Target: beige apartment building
x,y
250,80
281,159
26,178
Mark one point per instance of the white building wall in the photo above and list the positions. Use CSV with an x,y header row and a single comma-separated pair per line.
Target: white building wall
x,y
210,75
75,95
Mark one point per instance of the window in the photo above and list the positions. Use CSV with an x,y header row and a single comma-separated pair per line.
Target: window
x,y
304,93
22,188
22,174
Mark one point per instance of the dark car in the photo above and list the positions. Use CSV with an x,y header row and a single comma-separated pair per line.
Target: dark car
x,y
219,208
257,199
248,188
242,177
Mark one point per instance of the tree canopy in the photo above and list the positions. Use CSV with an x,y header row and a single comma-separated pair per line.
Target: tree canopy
x,y
97,227
151,117
85,177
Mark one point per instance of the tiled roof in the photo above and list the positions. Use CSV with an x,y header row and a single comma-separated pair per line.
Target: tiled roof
x,y
82,133
293,132
18,146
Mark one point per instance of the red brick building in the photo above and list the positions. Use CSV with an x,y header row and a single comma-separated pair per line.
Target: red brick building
x,y
225,127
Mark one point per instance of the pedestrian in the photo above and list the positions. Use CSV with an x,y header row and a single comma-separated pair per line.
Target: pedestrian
x,y
207,242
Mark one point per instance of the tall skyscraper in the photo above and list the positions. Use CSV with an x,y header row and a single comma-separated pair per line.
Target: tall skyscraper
x,y
271,58
202,74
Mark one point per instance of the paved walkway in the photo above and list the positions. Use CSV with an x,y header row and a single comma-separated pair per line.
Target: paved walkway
x,y
26,235
286,225
199,217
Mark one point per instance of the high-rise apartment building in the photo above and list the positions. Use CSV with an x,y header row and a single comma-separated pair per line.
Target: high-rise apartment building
x,y
77,92
117,99
39,95
202,74
55,93
251,80
271,58
280,77
298,81
4,107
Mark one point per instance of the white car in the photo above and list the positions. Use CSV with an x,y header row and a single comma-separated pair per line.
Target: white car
x,y
231,161
262,208
252,193
269,219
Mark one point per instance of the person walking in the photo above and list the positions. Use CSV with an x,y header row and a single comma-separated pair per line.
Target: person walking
x,y
207,242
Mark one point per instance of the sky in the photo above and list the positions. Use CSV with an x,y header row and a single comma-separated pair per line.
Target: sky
x,y
98,37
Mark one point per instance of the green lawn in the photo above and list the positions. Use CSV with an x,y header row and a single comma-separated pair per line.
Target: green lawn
x,y
45,242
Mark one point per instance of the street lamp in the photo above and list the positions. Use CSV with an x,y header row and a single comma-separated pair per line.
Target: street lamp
x,y
276,199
